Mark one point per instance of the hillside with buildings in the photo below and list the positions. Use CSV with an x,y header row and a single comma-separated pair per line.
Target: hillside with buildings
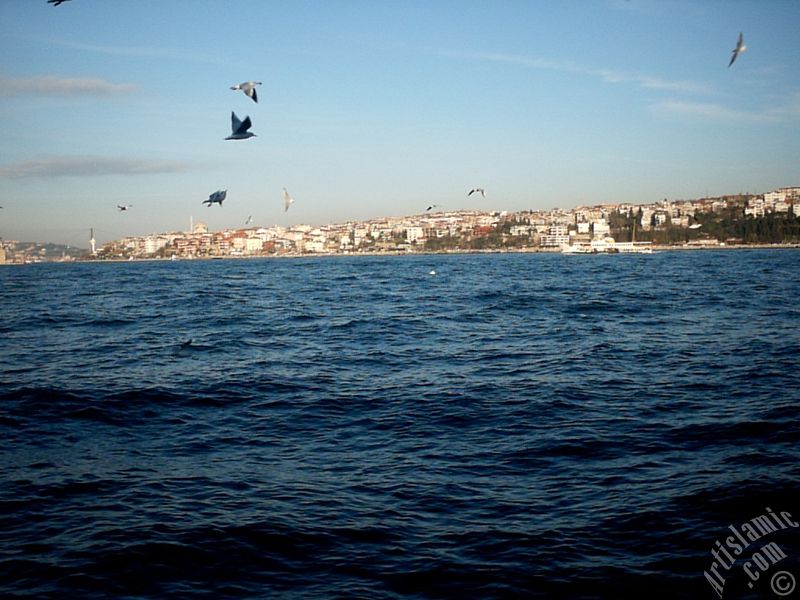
x,y
768,218
736,219
14,252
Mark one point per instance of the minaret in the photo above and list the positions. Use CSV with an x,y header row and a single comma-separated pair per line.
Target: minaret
x,y
92,242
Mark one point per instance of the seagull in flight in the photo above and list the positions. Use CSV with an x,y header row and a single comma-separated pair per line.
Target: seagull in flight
x,y
480,191
239,128
432,206
249,219
249,88
740,47
287,200
217,197
122,208
56,2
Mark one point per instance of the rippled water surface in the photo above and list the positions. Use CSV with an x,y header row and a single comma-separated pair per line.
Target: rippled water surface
x,y
514,426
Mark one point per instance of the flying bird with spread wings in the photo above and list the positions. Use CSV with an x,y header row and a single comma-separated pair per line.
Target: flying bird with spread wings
x,y
249,88
217,197
56,2
239,128
480,191
287,200
122,208
740,47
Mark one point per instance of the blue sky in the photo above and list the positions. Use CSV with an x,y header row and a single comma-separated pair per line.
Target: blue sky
x,y
373,109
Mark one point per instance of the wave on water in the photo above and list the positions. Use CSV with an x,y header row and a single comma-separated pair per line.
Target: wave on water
x,y
519,426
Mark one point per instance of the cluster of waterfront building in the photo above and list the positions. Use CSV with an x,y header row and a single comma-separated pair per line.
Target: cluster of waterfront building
x,y
553,229
391,234
581,227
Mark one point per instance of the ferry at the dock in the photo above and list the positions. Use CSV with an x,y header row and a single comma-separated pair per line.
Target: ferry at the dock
x,y
608,246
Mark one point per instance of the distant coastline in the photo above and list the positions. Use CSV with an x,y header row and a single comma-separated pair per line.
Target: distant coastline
x,y
739,221
717,222
383,254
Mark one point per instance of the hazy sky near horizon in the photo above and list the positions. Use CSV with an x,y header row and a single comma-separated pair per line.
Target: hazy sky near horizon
x,y
374,109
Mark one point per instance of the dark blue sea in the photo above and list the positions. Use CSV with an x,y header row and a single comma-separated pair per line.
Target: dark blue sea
x,y
512,426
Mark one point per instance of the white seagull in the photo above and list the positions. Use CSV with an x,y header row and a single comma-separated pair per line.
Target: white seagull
x,y
432,206
740,47
287,200
481,191
123,208
249,88
239,128
249,219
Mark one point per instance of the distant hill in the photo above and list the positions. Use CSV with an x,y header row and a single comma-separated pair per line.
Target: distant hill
x,y
22,252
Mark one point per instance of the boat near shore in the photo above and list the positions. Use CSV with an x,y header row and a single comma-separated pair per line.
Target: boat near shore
x,y
608,246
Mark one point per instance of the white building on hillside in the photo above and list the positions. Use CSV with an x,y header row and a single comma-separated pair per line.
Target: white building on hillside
x,y
556,237
782,195
756,207
600,229
414,234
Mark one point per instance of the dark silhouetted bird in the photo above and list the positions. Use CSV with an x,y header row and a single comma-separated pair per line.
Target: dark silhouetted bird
x,y
239,128
216,197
